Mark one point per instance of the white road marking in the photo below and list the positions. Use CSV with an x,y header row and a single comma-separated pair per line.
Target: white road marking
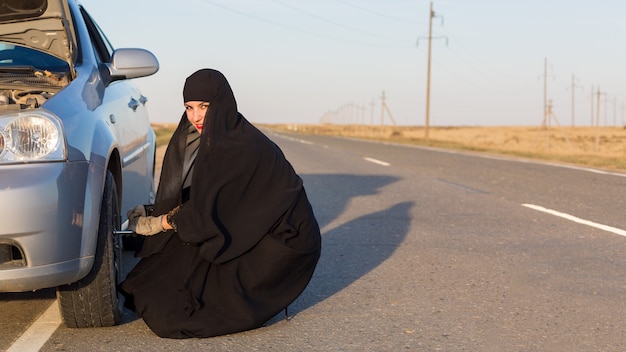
x,y
303,141
377,161
39,332
576,219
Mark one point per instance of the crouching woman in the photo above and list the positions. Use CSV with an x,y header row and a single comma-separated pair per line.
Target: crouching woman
x,y
231,239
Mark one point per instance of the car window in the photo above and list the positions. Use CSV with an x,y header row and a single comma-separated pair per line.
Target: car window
x,y
101,44
19,56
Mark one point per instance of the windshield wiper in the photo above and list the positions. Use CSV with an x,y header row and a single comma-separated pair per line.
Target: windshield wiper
x,y
18,69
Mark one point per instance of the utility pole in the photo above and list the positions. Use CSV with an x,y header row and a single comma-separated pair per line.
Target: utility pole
x,y
573,88
384,108
614,111
573,98
550,116
430,40
544,124
431,15
597,145
606,109
591,124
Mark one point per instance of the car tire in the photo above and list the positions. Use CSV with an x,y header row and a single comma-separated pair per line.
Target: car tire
x,y
94,301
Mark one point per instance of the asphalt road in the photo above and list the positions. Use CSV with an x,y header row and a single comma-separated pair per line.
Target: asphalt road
x,y
426,250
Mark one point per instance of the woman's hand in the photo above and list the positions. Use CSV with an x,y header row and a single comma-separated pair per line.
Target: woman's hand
x,y
141,224
135,212
146,225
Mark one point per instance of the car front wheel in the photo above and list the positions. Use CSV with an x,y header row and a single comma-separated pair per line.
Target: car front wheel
x,y
93,301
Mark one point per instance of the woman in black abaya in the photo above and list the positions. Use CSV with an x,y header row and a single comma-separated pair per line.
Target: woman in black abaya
x,y
231,239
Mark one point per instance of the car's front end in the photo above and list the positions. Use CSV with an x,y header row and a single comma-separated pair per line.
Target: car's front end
x,y
61,136
42,192
41,231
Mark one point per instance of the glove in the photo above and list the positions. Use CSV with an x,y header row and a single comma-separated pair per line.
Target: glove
x,y
136,212
145,225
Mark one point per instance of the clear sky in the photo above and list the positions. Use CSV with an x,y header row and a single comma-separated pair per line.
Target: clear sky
x,y
298,61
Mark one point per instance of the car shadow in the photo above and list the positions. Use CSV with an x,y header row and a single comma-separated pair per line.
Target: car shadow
x,y
43,294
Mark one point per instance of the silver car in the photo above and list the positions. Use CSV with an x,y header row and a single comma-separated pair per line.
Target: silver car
x,y
76,151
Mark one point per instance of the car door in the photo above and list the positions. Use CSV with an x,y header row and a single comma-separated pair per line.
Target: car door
x,y
123,107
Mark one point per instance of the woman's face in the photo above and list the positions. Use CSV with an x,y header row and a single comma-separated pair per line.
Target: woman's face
x,y
195,113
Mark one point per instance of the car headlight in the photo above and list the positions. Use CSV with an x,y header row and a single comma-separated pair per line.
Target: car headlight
x,y
33,136
1,143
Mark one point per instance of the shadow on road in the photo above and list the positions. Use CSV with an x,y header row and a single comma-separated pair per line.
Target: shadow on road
x,y
31,295
356,247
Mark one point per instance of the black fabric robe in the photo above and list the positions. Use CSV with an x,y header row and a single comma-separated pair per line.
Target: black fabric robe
x,y
247,241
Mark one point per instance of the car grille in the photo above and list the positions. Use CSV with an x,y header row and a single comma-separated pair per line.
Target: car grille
x,y
11,257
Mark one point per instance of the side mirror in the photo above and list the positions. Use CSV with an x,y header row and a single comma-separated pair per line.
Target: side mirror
x,y
130,63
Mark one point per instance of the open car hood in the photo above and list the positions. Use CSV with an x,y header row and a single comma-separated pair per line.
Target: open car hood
x,y
45,25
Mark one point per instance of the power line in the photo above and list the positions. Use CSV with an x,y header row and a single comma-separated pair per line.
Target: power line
x,y
338,24
295,29
378,13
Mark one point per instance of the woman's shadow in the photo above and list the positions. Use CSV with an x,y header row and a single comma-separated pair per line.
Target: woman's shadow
x,y
353,248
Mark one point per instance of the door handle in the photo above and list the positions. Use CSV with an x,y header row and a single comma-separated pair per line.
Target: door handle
x,y
133,104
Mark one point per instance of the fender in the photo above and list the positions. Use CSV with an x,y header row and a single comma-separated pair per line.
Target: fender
x,y
104,143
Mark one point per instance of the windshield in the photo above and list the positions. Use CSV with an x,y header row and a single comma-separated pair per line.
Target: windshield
x,y
16,9
15,56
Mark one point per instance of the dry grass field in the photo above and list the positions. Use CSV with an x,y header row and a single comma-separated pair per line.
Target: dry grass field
x,y
603,147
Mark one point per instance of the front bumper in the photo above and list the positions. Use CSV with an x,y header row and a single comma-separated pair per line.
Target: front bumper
x,y
41,231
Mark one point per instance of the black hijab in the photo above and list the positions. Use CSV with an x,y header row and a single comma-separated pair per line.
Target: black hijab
x,y
242,183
